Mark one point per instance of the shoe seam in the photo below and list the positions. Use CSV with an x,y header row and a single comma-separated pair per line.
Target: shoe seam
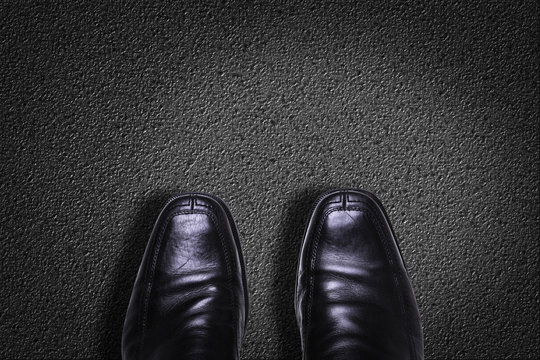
x,y
398,278
218,205
222,206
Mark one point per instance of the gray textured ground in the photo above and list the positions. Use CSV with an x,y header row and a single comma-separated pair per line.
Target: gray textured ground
x,y
107,111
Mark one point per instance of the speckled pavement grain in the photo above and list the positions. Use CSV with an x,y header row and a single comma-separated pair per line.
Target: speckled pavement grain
x,y
108,110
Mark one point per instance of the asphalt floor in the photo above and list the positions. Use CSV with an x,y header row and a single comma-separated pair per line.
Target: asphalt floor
x,y
108,110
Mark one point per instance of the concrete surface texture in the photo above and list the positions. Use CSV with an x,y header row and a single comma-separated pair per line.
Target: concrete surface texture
x,y
107,110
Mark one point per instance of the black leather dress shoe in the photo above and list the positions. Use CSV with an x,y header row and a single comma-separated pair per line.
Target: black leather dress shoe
x,y
189,300
354,299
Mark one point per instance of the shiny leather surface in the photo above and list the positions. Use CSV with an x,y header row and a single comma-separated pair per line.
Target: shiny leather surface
x,y
354,299
189,300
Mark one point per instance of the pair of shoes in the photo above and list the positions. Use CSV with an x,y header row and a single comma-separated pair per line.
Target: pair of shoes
x,y
353,298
